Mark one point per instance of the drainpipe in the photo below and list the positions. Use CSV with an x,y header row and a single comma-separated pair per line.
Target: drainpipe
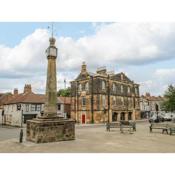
x,y
108,98
92,99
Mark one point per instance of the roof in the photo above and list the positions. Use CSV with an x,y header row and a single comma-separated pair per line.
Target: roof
x,y
34,98
153,98
27,98
5,97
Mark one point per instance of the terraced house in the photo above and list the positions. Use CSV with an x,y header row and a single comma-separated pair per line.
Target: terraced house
x,y
104,96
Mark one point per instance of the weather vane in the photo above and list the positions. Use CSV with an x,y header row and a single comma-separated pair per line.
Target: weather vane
x,y
51,27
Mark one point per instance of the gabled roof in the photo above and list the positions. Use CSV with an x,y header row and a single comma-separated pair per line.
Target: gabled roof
x,y
82,76
4,98
118,77
27,98
34,98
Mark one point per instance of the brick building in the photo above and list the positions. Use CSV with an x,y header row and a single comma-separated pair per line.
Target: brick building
x,y
102,96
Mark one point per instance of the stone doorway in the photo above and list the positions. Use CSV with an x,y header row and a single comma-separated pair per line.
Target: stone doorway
x,y
114,116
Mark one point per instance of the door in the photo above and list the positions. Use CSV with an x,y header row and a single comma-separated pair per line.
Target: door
x,y
122,116
114,117
83,119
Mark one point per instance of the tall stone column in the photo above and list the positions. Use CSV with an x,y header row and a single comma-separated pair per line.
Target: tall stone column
x,y
50,109
50,127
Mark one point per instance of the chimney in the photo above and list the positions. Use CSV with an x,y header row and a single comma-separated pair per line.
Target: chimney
x,y
15,92
122,75
27,88
147,94
83,68
102,70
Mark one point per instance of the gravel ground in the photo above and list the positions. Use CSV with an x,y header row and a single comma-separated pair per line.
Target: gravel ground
x,y
93,139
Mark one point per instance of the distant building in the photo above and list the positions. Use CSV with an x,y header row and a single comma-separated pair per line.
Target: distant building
x,y
4,97
102,96
27,105
150,104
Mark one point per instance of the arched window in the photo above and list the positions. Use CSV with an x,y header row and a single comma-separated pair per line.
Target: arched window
x,y
87,86
129,90
80,87
103,85
114,87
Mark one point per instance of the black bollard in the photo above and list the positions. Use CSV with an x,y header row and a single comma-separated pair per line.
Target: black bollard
x,y
21,136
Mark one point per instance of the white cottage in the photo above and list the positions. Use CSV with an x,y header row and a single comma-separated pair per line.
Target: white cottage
x,y
25,106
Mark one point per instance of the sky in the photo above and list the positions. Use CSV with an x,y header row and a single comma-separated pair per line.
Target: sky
x,y
145,52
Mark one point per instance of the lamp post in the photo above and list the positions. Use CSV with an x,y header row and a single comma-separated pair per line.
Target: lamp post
x,y
108,91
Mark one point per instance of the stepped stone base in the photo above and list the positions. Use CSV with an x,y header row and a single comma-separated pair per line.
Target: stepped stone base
x,y
43,130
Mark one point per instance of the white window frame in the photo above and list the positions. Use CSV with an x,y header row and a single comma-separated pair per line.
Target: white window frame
x,y
83,102
87,86
27,107
121,88
103,85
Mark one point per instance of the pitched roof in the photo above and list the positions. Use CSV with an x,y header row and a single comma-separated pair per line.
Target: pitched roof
x,y
34,98
4,98
27,98
153,98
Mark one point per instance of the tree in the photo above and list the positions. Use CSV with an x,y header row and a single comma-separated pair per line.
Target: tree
x,y
64,92
169,102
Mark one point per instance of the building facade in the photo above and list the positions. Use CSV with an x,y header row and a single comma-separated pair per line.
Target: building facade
x,y
26,106
150,104
100,97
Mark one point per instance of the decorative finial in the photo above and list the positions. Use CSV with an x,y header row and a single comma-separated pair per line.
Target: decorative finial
x,y
52,39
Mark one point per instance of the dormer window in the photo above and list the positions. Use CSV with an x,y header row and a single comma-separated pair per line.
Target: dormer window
x,y
103,85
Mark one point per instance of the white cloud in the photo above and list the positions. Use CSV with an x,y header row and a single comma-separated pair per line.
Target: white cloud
x,y
159,81
112,44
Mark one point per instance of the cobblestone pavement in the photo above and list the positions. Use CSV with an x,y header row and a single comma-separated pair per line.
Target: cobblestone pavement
x,y
94,139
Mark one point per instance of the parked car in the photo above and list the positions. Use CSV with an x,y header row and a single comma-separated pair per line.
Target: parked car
x,y
168,116
156,118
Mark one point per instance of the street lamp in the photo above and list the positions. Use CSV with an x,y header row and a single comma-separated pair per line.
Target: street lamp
x,y
108,98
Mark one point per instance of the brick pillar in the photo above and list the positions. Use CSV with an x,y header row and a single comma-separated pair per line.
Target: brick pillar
x,y
110,115
134,115
118,116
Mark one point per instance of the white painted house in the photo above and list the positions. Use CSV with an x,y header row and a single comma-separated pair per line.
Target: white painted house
x,y
25,106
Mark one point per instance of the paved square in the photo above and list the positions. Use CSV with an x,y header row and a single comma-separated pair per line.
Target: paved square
x,y
94,139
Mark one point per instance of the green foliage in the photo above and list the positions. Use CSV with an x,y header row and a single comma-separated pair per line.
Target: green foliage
x,y
169,103
64,92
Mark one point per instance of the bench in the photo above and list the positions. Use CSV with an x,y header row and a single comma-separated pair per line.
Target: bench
x,y
122,124
162,126
171,127
128,124
112,125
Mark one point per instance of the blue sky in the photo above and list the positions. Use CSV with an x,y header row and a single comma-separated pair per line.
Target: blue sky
x,y
11,33
144,51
